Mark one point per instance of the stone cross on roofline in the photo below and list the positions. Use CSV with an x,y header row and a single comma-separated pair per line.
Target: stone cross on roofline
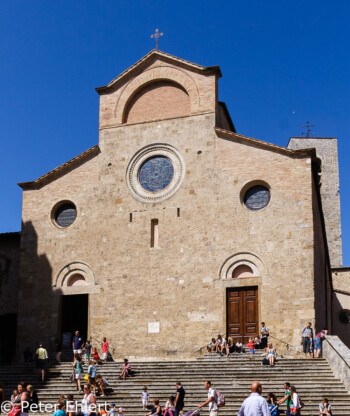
x,y
156,36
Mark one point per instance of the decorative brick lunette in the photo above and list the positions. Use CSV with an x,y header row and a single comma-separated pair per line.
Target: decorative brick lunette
x,y
155,74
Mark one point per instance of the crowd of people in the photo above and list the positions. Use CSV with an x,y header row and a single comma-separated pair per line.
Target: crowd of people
x,y
311,344
93,384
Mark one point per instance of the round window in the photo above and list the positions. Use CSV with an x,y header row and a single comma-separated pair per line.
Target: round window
x,y
156,173
65,214
257,197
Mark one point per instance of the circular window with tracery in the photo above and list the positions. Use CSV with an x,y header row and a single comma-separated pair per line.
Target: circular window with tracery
x,y
257,197
64,214
155,173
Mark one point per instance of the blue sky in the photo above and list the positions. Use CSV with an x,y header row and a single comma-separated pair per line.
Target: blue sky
x,y
283,63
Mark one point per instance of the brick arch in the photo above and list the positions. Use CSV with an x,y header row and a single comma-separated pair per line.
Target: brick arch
x,y
157,74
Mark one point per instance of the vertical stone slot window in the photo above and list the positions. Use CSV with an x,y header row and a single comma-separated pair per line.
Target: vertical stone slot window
x,y
130,217
154,233
178,212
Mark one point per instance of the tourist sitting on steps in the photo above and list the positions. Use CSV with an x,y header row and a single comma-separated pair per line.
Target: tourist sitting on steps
x,y
211,347
271,354
230,347
126,370
325,408
156,409
169,408
273,404
220,344
239,347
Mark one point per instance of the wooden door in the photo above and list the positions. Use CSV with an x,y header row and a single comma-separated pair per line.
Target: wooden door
x,y
242,313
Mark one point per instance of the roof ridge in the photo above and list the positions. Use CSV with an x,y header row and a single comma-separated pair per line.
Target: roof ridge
x,y
148,55
286,150
61,168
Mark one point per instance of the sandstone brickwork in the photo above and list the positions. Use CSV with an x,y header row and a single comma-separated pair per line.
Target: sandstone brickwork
x,y
170,299
327,152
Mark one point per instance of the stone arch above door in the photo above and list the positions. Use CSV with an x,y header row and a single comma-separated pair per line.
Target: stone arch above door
x,y
75,278
245,261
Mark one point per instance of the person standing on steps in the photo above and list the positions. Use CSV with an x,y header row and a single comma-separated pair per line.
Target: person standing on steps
x,y
287,398
305,338
264,334
255,404
77,344
104,350
212,398
179,398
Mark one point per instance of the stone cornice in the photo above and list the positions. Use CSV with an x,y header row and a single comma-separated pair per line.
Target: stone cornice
x,y
162,55
268,146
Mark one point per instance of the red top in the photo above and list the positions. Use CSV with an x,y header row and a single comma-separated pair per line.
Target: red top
x,y
105,347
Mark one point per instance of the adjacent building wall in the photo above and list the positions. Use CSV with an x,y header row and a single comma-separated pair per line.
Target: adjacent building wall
x,y
327,151
341,302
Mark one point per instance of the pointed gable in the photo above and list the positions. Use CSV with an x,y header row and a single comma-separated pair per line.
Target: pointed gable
x,y
158,86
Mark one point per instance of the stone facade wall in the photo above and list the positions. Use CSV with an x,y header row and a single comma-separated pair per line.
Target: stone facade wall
x,y
9,267
327,151
142,287
323,289
45,249
171,298
157,101
341,301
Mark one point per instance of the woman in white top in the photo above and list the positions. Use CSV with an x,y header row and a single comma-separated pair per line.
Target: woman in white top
x,y
88,403
271,354
296,405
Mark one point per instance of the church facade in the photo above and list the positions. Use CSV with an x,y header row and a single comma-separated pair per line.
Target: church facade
x,y
175,228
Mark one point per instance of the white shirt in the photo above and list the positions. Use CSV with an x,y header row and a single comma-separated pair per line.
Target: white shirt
x,y
296,401
254,405
212,404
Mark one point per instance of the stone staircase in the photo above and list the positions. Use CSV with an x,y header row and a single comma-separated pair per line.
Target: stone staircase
x,y
231,376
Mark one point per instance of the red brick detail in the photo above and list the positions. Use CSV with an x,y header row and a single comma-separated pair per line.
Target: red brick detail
x,y
163,73
158,100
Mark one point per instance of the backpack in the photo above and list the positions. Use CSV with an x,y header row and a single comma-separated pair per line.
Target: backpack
x,y
220,399
265,361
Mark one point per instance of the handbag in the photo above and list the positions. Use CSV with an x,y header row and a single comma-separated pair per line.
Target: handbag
x,y
15,411
86,377
72,377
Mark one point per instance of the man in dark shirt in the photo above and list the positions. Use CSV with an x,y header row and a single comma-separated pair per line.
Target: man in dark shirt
x,y
77,344
179,399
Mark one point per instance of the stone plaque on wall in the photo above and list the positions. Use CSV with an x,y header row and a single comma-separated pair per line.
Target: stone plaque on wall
x,y
153,327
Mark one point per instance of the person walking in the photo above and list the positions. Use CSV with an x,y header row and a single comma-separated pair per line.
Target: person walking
x,y
78,368
264,331
212,399
305,339
41,359
179,398
287,398
296,404
77,343
255,404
